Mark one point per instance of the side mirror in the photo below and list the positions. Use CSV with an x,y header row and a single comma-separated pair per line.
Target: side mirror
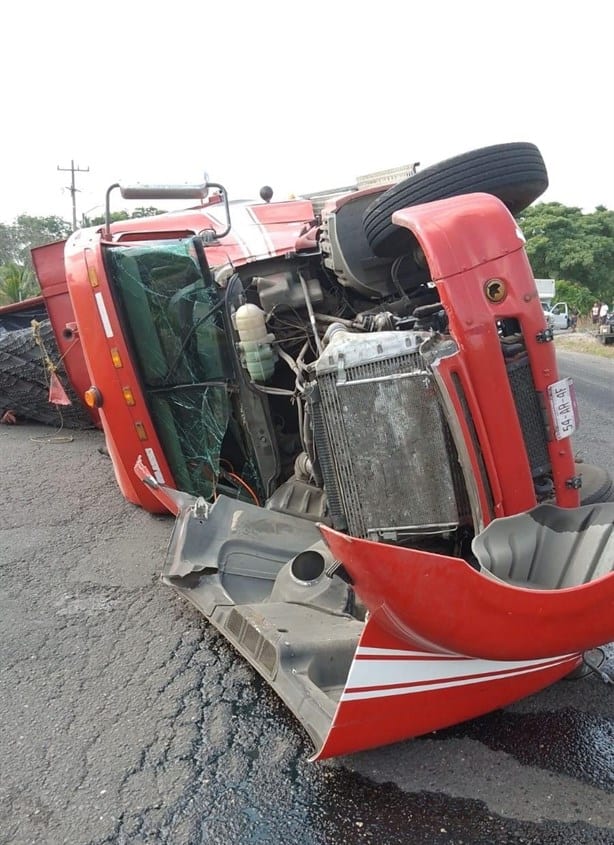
x,y
153,192
166,192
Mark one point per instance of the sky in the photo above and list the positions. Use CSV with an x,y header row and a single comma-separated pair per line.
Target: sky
x,y
301,96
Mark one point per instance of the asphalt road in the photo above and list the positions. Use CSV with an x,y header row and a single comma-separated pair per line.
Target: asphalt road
x,y
127,719
594,380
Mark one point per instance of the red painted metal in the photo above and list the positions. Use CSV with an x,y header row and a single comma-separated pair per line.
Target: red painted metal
x,y
93,306
84,265
258,229
439,689
441,602
469,241
169,498
15,307
48,263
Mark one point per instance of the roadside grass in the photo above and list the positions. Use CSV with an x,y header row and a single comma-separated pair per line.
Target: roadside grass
x,y
584,341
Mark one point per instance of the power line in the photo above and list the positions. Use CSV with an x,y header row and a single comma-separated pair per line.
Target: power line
x,y
73,190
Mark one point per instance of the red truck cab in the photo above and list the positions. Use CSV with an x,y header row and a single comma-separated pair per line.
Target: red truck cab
x,y
356,415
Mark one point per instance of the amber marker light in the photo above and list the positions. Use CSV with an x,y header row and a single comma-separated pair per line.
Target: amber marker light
x,y
93,397
116,358
128,396
140,430
92,276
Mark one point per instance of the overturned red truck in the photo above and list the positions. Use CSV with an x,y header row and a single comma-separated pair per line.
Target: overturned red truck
x,y
356,416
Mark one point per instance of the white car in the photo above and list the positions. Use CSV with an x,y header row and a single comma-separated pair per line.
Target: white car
x,y
557,316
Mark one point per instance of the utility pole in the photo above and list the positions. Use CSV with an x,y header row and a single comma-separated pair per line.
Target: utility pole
x,y
73,190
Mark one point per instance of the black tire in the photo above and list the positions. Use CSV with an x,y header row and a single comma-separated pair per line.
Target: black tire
x,y
596,484
515,173
24,380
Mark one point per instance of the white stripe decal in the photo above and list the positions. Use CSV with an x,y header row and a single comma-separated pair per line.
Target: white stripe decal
x,y
364,652
379,673
263,230
155,466
104,315
349,695
245,230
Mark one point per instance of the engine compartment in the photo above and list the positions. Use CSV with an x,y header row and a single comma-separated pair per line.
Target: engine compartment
x,y
362,438
307,383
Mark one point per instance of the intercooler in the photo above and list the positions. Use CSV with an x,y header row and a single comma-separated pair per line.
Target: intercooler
x,y
386,456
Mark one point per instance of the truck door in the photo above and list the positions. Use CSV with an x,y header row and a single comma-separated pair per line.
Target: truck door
x,y
560,315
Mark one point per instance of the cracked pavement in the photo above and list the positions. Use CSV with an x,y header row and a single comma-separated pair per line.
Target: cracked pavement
x,y
127,719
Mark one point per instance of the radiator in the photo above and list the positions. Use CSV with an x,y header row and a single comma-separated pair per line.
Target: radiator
x,y
387,461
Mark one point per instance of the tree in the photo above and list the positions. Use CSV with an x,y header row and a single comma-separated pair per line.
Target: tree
x,y
25,232
17,279
16,284
100,220
576,296
149,211
564,243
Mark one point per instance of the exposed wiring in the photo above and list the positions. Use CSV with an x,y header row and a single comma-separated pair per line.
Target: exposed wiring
x,y
289,360
310,312
294,367
301,356
274,391
241,482
288,339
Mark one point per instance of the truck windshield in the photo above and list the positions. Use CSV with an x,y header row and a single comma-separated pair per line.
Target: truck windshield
x,y
174,322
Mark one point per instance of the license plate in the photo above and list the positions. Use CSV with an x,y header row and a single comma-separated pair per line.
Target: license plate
x,y
562,396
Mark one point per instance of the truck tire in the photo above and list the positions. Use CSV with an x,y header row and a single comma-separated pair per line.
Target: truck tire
x,y
596,484
515,173
24,380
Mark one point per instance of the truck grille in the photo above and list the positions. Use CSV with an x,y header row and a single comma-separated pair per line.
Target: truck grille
x,y
530,414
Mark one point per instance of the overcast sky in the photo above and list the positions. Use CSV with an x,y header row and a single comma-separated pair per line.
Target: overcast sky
x,y
301,96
